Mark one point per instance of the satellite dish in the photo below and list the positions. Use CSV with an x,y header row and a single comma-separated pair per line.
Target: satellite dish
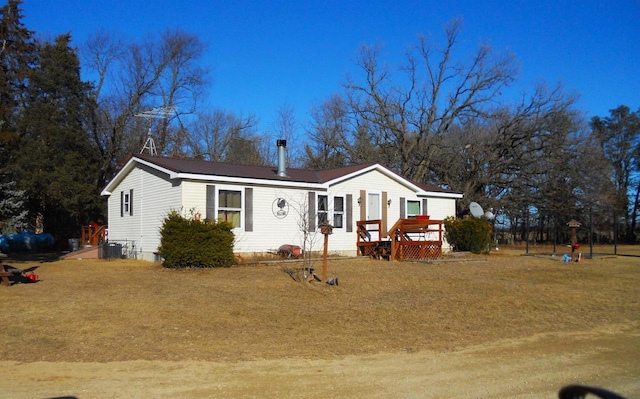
x,y
489,215
476,210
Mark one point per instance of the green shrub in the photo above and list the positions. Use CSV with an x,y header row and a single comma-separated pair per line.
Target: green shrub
x,y
195,243
469,234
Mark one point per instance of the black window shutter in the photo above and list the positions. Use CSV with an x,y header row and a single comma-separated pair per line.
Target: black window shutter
x,y
349,206
424,206
210,206
131,202
121,203
403,211
312,211
248,209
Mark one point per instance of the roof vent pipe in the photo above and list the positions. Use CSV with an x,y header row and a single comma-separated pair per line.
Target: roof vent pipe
x,y
282,157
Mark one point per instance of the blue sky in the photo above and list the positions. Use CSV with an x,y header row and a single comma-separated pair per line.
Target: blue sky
x,y
263,55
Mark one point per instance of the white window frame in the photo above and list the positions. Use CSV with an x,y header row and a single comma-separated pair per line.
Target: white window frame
x,y
339,213
221,208
324,212
329,214
413,215
126,203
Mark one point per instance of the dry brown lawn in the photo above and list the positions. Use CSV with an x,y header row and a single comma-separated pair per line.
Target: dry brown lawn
x,y
121,311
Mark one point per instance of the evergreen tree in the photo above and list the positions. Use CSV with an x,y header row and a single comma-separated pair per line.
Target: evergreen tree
x,y
17,57
55,161
18,52
13,214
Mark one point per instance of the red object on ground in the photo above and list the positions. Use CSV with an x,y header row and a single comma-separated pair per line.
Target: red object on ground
x,y
290,251
32,277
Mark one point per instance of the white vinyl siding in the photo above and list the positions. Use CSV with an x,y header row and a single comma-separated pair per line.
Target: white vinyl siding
x,y
265,222
154,196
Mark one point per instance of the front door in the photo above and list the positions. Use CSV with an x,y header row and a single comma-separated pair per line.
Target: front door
x,y
373,206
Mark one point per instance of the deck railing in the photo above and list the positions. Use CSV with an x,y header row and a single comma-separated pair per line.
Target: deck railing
x,y
416,239
410,239
370,242
93,235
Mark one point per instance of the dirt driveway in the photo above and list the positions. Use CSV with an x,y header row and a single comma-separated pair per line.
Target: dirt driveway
x,y
535,367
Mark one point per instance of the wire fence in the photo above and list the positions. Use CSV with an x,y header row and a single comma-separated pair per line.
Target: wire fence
x,y
585,250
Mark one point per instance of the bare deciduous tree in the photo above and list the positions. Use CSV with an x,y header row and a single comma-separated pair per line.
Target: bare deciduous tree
x,y
436,92
159,73
329,134
484,156
221,135
284,127
618,136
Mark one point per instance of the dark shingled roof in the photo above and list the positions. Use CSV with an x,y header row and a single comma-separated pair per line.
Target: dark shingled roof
x,y
202,167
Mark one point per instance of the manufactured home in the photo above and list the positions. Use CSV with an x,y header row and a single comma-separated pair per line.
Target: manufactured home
x,y
267,206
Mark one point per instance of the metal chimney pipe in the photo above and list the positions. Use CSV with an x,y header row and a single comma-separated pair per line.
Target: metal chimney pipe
x,y
282,157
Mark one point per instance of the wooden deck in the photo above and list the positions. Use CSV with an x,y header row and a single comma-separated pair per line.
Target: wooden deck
x,y
408,239
93,235
370,240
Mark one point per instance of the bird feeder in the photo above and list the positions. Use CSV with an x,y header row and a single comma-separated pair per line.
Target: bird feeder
x,y
326,229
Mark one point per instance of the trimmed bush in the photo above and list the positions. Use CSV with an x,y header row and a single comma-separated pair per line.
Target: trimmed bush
x,y
195,243
469,234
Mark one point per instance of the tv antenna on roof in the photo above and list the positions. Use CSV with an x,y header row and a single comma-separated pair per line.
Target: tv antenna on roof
x,y
155,113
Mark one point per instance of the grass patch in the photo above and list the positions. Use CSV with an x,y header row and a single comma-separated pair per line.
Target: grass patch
x,y
94,310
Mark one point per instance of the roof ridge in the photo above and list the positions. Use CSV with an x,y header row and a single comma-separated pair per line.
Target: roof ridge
x,y
268,172
191,159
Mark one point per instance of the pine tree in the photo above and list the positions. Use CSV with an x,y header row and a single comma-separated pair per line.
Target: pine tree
x,y
13,214
18,54
55,161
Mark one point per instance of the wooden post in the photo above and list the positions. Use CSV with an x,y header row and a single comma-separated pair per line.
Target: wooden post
x,y
573,243
324,257
325,229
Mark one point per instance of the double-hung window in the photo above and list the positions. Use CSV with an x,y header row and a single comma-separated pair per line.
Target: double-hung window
x,y
331,212
230,207
323,209
126,203
338,212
